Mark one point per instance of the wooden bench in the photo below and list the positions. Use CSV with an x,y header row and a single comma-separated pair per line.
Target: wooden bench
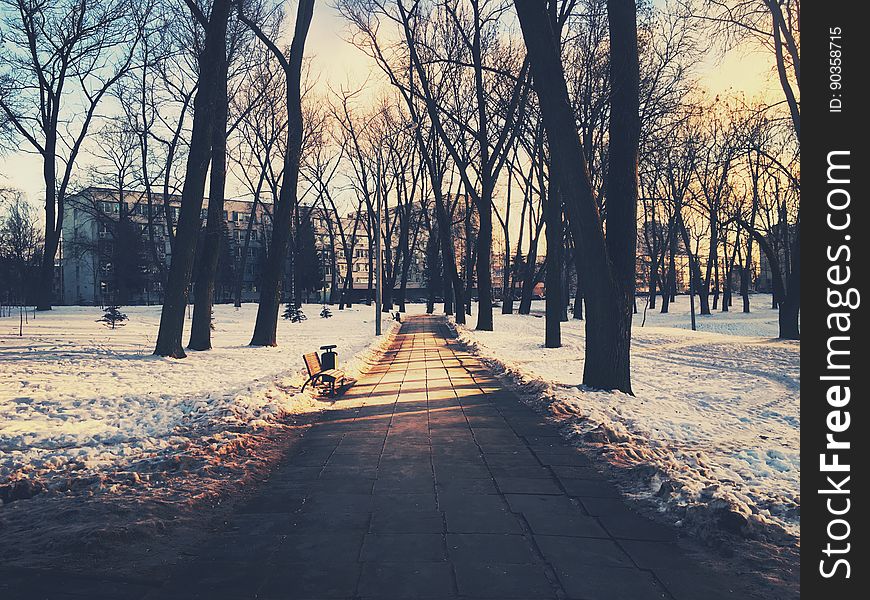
x,y
316,372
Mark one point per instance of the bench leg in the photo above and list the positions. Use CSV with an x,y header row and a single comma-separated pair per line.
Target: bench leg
x,y
311,380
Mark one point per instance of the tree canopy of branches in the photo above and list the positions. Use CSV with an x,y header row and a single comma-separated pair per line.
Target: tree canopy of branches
x,y
58,60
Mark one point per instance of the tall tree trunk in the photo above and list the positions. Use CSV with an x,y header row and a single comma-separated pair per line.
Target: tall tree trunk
x,y
407,257
712,260
296,250
653,286
789,309
577,312
468,260
448,261
529,280
198,157
727,297
578,293
265,328
746,270
333,279
507,293
553,301
433,269
530,275
484,262
447,292
243,259
370,289
45,289
348,248
746,276
566,287
671,278
695,280
716,285
609,366
203,290
610,261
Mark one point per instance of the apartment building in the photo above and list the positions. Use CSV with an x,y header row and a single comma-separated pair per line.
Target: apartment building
x,y
115,247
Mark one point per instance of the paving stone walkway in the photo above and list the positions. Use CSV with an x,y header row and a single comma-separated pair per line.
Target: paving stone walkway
x,y
436,482
442,484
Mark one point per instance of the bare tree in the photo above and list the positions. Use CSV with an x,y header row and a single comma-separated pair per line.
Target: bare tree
x,y
265,329
773,222
258,151
716,156
20,244
773,25
199,156
609,261
48,52
478,144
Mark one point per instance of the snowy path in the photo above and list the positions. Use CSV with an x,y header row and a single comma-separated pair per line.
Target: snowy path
x,y
435,482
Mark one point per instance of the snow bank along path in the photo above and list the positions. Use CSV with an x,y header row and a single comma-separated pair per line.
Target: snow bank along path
x,y
716,411
77,398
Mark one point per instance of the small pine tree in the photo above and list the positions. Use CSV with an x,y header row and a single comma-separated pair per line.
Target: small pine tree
x,y
325,312
294,313
113,317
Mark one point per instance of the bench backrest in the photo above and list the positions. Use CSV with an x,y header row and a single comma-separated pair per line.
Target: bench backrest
x,y
312,363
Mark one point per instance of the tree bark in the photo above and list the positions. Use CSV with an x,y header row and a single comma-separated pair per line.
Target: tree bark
x,y
448,261
198,157
577,313
530,278
610,261
265,328
668,291
789,309
203,290
553,300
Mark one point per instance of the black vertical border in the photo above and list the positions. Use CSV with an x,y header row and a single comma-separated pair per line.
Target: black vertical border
x,y
823,132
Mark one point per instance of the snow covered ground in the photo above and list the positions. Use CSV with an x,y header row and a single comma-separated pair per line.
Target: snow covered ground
x,y
714,423
79,399
714,426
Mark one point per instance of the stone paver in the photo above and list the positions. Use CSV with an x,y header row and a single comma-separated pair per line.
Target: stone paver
x,y
430,480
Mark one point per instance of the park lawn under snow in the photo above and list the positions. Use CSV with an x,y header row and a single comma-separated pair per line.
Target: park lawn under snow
x,y
77,398
715,411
